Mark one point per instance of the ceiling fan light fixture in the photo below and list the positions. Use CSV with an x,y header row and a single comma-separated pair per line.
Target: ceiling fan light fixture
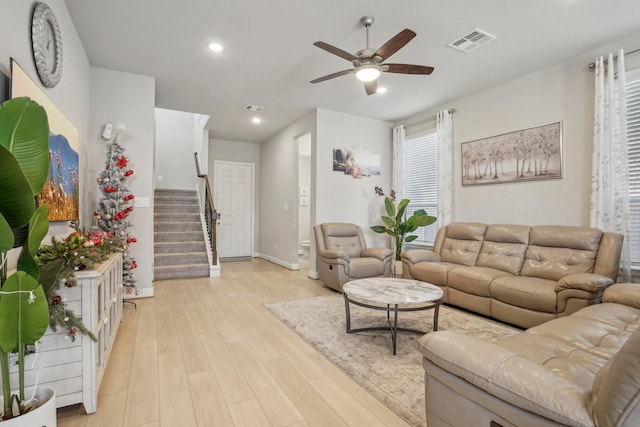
x,y
368,73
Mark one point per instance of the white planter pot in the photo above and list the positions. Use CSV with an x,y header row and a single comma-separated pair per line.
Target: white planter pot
x,y
42,416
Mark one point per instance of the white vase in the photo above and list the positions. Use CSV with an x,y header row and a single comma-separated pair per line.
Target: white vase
x,y
42,416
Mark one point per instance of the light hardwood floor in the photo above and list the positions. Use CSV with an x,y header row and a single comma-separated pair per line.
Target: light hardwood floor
x,y
205,352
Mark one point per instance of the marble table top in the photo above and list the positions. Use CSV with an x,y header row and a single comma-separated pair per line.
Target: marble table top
x,y
386,290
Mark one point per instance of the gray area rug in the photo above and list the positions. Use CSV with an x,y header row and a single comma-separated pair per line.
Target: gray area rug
x,y
397,381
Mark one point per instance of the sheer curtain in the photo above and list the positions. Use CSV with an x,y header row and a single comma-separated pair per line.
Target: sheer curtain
x,y
610,174
445,167
397,179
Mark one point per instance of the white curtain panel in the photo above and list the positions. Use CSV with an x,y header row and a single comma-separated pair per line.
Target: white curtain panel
x,y
610,173
445,167
397,179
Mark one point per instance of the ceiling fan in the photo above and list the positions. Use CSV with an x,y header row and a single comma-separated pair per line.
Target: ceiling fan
x,y
368,63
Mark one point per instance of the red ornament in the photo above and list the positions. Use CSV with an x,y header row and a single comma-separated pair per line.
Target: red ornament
x,y
122,162
128,197
128,173
132,240
128,209
109,234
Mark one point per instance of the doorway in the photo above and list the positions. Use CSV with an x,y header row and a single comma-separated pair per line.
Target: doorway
x,y
234,198
303,144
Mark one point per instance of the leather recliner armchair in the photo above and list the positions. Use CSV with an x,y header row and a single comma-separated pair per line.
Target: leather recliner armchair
x,y
342,255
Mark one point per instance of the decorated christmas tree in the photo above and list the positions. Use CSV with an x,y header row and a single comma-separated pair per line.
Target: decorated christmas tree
x,y
114,208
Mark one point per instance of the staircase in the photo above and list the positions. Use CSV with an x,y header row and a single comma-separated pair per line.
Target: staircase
x,y
179,249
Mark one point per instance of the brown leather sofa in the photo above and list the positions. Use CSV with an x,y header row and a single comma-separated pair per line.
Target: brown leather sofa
x,y
342,255
515,273
579,370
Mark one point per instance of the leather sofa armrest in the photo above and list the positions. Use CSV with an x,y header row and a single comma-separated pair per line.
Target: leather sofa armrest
x,y
589,282
414,256
379,253
508,376
623,293
334,254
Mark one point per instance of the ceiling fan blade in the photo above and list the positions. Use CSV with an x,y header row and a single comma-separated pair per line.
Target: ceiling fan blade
x,y
395,44
371,87
336,51
407,69
332,76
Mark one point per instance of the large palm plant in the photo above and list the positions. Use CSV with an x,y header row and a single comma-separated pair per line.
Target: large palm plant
x,y
396,223
24,310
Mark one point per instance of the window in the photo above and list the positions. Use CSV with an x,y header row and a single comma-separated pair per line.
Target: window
x,y
421,180
633,137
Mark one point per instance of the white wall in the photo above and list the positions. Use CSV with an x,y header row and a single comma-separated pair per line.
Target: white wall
x,y
340,197
335,197
129,99
563,92
176,139
71,95
89,97
279,192
304,181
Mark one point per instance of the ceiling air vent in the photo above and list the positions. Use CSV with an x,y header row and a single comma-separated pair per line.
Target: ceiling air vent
x,y
471,41
254,108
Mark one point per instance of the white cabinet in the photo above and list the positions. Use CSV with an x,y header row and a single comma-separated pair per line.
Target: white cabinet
x,y
75,368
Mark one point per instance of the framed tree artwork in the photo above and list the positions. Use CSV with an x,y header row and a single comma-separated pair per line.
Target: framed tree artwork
x,y
529,154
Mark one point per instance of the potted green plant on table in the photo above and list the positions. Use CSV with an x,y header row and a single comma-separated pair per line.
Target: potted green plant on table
x,y
396,223
24,309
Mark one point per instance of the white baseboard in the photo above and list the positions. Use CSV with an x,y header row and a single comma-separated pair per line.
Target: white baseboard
x,y
313,275
280,262
214,270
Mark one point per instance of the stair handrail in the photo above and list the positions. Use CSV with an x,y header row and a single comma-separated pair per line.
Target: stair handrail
x,y
210,213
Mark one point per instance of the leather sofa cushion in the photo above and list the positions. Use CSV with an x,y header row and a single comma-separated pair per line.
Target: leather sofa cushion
x,y
504,247
473,280
623,293
462,243
526,292
365,267
433,272
557,251
342,236
559,236
618,395
577,347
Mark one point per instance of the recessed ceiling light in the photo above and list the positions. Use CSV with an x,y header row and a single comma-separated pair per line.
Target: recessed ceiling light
x,y
381,90
216,47
256,120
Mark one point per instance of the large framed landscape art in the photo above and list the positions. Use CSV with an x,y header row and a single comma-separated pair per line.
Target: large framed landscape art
x,y
524,155
61,191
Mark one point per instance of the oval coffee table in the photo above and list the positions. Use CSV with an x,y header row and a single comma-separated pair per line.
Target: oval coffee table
x,y
392,295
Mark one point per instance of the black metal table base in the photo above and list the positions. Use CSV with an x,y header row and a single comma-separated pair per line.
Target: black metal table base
x,y
391,327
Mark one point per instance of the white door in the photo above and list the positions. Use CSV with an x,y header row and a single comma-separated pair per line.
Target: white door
x,y
234,202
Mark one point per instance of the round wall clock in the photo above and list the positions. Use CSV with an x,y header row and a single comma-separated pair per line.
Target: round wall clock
x,y
46,42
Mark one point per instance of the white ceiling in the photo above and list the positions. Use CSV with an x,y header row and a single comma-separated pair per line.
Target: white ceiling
x,y
269,57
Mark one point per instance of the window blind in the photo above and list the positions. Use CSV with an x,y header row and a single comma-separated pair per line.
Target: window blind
x,y
633,141
421,180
